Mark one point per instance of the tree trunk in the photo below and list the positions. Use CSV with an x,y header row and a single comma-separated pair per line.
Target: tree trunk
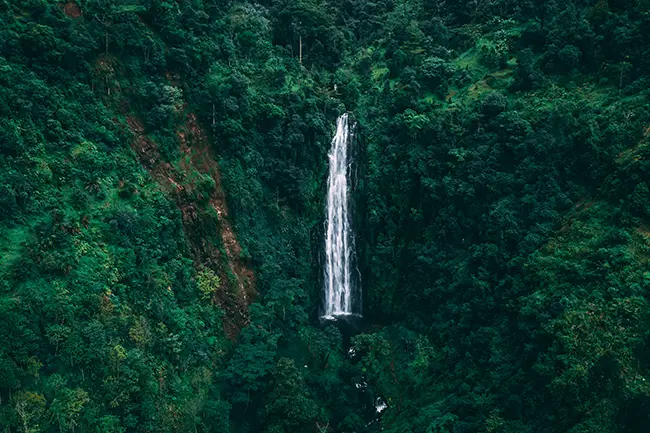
x,y
620,82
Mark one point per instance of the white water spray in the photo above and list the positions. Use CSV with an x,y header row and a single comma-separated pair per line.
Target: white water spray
x,y
342,295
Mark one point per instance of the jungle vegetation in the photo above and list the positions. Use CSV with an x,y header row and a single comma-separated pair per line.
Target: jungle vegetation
x,y
162,175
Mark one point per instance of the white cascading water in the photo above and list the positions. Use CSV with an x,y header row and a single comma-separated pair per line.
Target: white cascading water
x,y
341,298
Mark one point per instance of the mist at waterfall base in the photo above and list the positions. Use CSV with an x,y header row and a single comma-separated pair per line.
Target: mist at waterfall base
x,y
342,288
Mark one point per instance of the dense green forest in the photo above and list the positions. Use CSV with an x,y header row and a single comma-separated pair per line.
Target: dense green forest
x,y
163,168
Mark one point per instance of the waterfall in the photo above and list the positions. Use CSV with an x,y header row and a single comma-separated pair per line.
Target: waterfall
x,y
342,294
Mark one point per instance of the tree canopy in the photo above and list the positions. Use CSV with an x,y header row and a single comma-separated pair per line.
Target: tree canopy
x,y
162,183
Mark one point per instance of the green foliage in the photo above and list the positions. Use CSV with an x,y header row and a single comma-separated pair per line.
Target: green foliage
x,y
208,283
289,407
500,203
